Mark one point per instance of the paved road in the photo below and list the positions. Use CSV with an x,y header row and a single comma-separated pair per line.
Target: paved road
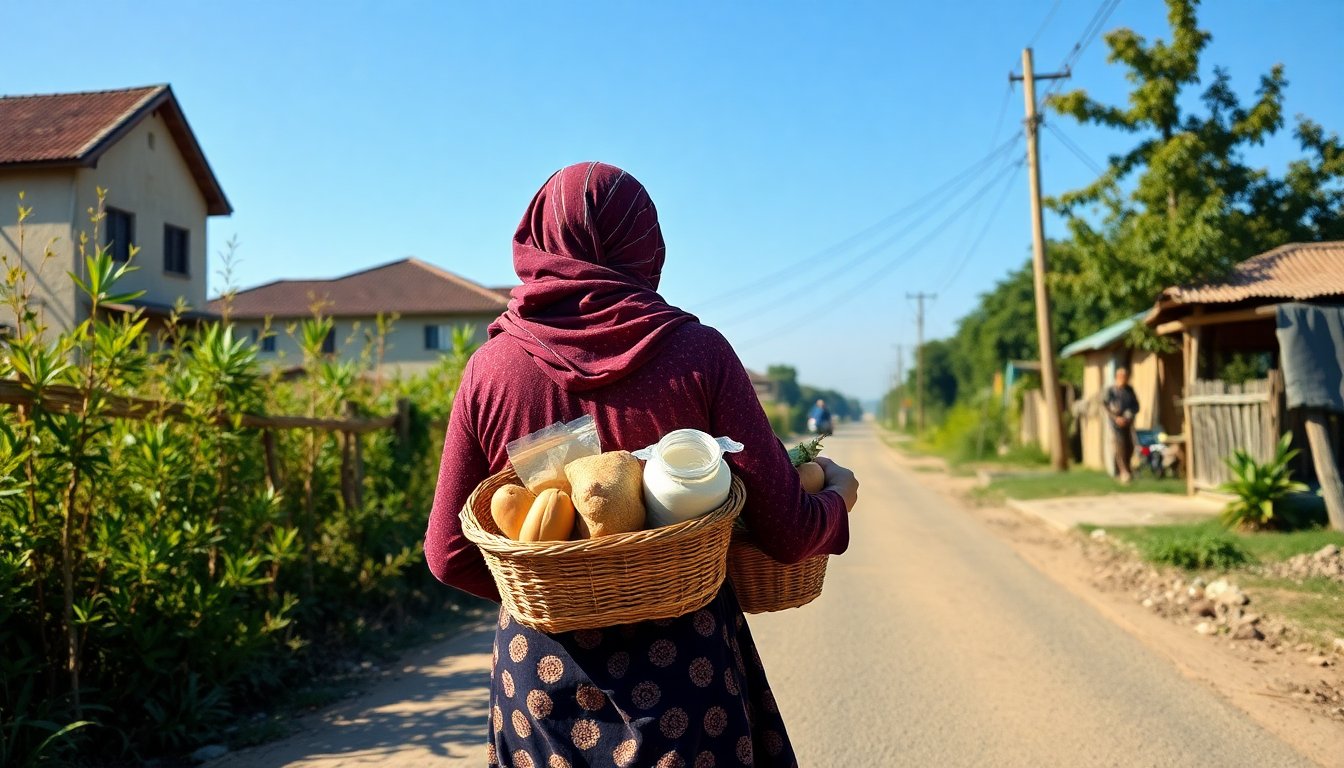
x,y
933,645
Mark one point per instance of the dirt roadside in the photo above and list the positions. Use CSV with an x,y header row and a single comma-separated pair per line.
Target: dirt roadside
x,y
1258,680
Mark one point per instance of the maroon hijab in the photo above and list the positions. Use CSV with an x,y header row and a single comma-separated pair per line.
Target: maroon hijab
x,y
589,252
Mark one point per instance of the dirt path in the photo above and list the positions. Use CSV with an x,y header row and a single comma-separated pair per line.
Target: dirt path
x,y
430,712
935,643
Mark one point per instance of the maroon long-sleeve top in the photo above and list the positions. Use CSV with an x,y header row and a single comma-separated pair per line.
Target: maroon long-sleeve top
x,y
695,381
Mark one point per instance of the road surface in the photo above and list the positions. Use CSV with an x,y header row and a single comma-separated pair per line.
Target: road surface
x,y
933,645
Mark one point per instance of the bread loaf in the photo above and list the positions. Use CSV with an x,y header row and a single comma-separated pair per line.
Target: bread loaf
x,y
551,517
607,491
509,507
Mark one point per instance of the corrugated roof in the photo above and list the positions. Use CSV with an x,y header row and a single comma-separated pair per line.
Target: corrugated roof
x,y
64,129
1296,271
407,287
1103,338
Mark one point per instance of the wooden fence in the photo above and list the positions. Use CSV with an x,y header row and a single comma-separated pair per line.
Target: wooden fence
x,y
1223,417
69,399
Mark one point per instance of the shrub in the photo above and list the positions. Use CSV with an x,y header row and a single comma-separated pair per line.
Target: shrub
x,y
974,432
159,573
1259,487
1195,552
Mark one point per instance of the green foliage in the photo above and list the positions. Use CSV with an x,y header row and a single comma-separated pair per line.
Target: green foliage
x,y
155,575
1195,551
786,383
1260,487
1184,203
798,400
973,432
780,422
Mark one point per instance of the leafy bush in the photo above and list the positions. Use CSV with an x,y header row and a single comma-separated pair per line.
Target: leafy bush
x,y
1195,552
159,573
974,432
1259,487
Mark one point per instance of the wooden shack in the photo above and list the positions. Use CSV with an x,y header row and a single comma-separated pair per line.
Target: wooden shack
x,y
1232,387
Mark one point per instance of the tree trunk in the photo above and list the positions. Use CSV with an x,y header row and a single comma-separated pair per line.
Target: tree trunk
x,y
1327,465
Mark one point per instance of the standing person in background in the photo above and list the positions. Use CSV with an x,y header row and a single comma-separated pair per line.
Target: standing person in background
x,y
819,419
1122,405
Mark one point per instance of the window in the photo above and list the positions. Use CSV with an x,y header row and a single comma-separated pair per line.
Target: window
x,y
329,343
439,337
266,343
175,259
120,233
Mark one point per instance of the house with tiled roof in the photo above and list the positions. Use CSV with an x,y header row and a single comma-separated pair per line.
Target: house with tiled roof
x,y
427,303
59,149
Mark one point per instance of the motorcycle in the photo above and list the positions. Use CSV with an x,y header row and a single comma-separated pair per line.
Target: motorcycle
x,y
1154,453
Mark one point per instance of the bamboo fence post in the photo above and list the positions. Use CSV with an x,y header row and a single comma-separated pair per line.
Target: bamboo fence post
x,y
272,463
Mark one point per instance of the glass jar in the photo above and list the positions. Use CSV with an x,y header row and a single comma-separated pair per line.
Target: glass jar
x,y
685,476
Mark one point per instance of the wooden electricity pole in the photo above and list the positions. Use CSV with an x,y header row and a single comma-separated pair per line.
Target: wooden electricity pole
x,y
1049,376
897,420
919,355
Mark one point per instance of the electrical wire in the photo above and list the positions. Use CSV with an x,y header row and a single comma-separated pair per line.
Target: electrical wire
x,y
1048,16
1075,149
840,270
876,277
993,214
1089,34
795,269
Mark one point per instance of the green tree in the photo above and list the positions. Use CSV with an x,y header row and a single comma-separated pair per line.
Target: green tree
x,y
1184,203
786,383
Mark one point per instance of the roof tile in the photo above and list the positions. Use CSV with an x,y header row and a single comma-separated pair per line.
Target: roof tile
x,y
1296,271
63,126
406,287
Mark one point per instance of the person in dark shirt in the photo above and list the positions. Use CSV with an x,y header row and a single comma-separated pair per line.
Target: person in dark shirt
x,y
1122,405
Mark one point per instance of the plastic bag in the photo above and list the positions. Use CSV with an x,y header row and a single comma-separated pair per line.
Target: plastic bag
x,y
540,458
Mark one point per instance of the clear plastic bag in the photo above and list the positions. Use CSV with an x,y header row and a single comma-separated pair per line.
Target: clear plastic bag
x,y
540,458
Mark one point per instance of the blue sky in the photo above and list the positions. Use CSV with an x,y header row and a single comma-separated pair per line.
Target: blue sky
x,y
348,134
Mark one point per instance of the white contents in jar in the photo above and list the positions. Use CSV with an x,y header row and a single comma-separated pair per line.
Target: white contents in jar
x,y
685,476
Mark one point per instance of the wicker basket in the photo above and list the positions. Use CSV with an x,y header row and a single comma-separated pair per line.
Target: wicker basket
x,y
764,584
618,579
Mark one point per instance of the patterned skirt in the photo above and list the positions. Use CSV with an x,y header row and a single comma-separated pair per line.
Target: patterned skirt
x,y
684,692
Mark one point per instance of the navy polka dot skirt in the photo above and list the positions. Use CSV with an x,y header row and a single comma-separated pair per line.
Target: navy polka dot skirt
x,y
686,692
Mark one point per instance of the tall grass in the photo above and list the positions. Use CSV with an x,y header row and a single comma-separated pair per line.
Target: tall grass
x,y
152,579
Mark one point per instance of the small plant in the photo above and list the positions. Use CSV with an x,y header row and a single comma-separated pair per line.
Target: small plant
x,y
1259,487
1195,552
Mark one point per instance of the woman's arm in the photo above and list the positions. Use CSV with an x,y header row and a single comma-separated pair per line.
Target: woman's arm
x,y
789,524
452,559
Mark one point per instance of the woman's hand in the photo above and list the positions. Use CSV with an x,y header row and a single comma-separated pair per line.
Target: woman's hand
x,y
840,480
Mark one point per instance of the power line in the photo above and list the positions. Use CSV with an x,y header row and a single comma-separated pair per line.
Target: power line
x,y
1048,16
792,271
838,270
970,252
1090,33
1074,148
824,308
843,269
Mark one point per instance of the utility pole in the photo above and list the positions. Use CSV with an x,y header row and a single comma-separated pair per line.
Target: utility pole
x,y
1049,376
919,355
898,390
900,366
